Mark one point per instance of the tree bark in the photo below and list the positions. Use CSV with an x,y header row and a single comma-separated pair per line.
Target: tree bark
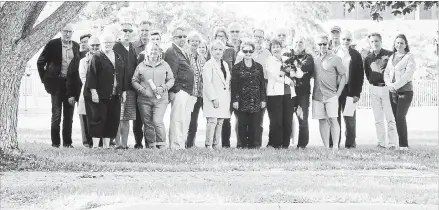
x,y
19,41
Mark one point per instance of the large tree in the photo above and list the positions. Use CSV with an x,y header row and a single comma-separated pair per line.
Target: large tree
x,y
20,39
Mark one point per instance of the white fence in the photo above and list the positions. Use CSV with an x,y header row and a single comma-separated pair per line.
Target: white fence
x,y
425,94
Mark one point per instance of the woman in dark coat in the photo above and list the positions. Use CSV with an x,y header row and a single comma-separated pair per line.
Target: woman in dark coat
x,y
248,97
104,88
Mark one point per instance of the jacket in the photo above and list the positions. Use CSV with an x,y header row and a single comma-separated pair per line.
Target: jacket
x,y
161,75
182,69
403,72
375,75
248,86
73,83
356,74
303,85
49,64
101,74
130,61
216,87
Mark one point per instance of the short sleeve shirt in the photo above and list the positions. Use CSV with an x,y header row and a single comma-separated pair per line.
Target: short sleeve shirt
x,y
327,70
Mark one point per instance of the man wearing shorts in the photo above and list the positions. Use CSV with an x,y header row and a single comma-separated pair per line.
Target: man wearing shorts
x,y
329,81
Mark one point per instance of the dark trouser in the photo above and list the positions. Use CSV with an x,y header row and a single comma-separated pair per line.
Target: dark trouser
x,y
193,126
61,106
226,132
249,129
350,122
103,117
301,108
86,138
137,129
280,112
400,105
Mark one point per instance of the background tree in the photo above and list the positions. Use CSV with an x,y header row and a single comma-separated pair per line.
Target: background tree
x,y
396,7
20,38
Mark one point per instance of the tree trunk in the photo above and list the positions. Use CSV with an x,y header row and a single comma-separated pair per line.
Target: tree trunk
x,y
19,41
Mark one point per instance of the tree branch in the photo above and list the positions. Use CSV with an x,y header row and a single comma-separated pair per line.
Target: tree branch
x,y
32,17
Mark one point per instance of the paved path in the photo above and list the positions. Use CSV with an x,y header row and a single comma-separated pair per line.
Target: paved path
x,y
284,206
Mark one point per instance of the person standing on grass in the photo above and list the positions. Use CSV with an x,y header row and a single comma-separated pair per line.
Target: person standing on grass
x,y
328,71
197,61
139,46
280,98
232,48
353,63
181,94
103,92
53,64
302,62
128,109
398,77
260,55
152,109
374,65
84,64
216,94
249,97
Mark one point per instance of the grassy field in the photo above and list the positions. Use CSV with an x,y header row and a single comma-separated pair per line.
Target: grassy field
x,y
42,177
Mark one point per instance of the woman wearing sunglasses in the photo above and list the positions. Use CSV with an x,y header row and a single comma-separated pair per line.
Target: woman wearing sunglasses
x,y
280,97
248,97
398,77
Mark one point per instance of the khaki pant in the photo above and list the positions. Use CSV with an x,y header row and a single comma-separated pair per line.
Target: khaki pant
x,y
182,106
380,101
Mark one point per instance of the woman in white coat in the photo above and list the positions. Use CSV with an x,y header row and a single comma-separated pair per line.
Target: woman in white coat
x,y
84,63
216,94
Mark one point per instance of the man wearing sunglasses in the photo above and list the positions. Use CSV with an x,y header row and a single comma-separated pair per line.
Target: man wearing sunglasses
x,y
53,64
128,107
181,94
139,46
329,82
353,63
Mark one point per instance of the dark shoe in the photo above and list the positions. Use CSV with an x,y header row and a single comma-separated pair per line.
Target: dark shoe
x,y
68,146
160,146
300,147
55,145
87,145
137,146
379,146
119,147
350,147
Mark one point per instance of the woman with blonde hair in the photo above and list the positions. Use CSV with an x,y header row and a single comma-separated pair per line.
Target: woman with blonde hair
x,y
152,79
216,94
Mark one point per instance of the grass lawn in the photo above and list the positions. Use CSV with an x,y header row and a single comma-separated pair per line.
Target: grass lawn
x,y
42,177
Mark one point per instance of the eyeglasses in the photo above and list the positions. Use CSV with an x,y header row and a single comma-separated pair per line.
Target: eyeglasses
x,y
220,36
248,51
281,35
347,39
234,31
95,45
144,30
324,44
258,37
180,37
127,30
67,31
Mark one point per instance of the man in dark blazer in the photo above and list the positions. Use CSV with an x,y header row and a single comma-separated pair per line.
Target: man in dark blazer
x,y
57,57
181,94
353,63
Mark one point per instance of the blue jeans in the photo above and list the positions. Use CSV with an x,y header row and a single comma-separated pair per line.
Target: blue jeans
x,y
152,112
61,106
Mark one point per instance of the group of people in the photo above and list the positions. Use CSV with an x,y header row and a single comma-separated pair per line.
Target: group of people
x,y
116,81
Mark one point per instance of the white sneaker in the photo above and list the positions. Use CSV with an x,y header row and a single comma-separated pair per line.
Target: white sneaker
x,y
403,148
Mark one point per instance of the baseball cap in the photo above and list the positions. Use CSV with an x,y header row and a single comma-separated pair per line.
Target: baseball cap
x,y
336,28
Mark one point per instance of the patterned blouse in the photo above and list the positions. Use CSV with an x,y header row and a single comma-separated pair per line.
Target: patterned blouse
x,y
197,62
248,86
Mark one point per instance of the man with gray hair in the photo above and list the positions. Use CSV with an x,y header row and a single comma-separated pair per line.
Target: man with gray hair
x,y
181,94
353,63
53,64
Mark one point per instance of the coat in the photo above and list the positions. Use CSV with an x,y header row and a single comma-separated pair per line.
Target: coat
x,y
100,76
49,64
182,69
356,74
216,87
276,78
